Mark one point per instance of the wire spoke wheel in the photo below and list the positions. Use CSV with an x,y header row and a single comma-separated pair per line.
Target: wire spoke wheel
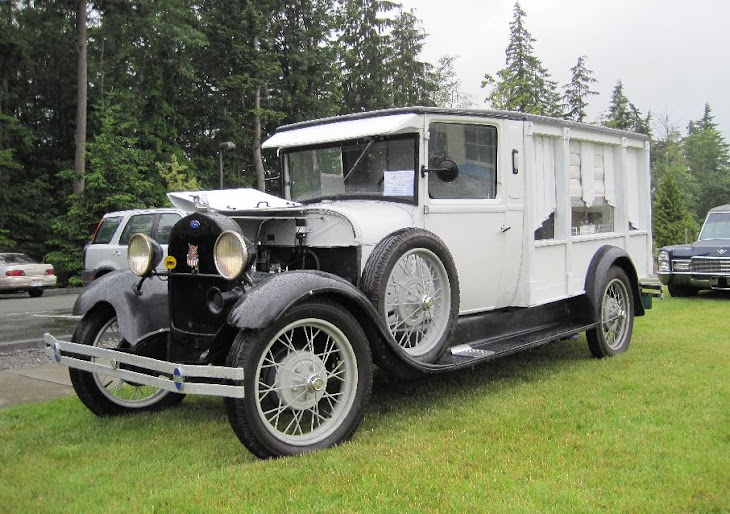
x,y
614,314
614,303
102,393
417,301
118,391
307,379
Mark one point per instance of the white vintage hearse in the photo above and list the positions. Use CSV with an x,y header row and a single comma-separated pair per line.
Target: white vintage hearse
x,y
424,240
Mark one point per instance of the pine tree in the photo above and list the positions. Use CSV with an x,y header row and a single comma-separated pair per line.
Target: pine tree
x,y
523,84
578,90
411,81
671,217
448,92
708,161
364,49
624,115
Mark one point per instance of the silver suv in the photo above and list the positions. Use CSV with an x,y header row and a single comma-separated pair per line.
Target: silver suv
x,y
107,250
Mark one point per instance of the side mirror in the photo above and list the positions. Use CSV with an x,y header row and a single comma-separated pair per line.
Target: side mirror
x,y
447,170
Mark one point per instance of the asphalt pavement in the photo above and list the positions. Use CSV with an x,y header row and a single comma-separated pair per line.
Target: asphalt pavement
x,y
34,378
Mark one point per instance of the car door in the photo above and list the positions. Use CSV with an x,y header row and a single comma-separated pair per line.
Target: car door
x,y
474,213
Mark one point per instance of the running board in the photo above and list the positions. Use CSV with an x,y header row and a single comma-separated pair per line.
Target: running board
x,y
469,354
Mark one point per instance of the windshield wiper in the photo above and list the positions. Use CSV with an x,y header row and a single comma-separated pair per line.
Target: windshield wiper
x,y
365,151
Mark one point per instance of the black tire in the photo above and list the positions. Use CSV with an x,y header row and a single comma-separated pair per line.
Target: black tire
x,y
614,303
316,364
421,318
104,395
35,293
682,291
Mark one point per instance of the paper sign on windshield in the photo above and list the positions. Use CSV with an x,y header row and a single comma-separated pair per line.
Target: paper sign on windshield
x,y
398,183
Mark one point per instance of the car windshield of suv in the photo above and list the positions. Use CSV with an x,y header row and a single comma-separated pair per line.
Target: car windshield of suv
x,y
383,167
717,226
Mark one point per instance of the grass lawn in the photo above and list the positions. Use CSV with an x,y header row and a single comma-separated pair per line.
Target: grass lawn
x,y
548,430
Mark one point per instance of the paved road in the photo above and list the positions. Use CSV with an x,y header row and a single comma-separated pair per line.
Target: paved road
x,y
23,320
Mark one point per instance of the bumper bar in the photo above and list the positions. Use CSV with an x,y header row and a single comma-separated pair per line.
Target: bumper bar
x,y
176,378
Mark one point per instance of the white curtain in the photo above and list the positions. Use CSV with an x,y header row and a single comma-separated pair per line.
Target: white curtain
x,y
543,159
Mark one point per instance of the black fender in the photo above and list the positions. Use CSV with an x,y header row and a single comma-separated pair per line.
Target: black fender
x,y
137,315
606,257
271,297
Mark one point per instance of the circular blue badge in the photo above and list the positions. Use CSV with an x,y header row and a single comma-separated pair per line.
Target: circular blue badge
x,y
194,224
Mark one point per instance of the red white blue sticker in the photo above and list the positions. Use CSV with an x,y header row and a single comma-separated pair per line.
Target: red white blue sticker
x,y
193,259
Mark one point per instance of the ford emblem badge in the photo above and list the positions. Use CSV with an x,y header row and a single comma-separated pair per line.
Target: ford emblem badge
x,y
194,224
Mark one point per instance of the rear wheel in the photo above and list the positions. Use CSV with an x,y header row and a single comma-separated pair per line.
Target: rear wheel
x,y
105,395
307,380
615,305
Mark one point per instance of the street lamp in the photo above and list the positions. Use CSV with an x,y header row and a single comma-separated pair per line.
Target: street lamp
x,y
228,145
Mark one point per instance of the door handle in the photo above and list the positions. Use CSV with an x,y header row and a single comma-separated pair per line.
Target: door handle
x,y
505,228
117,253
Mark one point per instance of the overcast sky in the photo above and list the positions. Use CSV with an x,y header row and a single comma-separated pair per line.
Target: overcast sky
x,y
672,56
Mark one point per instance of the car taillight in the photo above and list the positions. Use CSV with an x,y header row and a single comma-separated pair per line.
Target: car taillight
x,y
15,273
50,272
93,236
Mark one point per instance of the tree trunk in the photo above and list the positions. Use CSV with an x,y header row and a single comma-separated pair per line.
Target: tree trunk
x,y
81,98
257,159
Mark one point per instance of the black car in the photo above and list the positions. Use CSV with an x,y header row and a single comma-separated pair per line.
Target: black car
x,y
704,264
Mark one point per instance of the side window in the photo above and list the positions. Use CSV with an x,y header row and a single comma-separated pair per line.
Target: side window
x,y
474,149
592,190
106,230
164,227
138,223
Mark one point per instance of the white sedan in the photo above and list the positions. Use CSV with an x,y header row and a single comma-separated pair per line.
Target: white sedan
x,y
19,273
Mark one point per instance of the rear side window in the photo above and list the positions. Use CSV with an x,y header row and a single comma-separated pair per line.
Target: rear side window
x,y
167,221
106,230
141,223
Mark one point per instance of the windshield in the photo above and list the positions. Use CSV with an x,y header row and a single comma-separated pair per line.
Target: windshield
x,y
372,167
717,226
15,258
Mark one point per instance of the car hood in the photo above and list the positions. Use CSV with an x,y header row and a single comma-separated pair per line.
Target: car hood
x,y
709,248
371,220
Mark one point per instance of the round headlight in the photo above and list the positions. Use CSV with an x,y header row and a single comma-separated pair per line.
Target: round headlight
x,y
140,254
230,254
663,255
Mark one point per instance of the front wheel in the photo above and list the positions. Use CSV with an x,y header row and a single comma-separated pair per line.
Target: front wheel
x,y
307,380
615,304
105,395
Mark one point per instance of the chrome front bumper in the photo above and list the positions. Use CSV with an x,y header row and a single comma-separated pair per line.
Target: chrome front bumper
x,y
176,378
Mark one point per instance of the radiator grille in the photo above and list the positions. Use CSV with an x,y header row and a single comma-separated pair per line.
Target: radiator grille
x,y
707,265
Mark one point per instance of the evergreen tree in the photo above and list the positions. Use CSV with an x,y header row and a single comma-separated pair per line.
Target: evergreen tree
x,y
671,217
668,157
624,115
708,161
411,80
364,50
448,92
578,90
523,84
118,176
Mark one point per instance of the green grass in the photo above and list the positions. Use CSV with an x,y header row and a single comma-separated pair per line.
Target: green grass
x,y
548,430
